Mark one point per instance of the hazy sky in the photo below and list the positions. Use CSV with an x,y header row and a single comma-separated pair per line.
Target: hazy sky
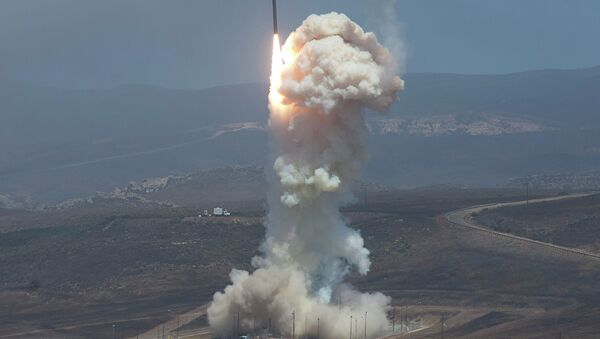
x,y
203,43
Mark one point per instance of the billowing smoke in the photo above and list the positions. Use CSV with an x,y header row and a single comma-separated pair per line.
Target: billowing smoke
x,y
331,71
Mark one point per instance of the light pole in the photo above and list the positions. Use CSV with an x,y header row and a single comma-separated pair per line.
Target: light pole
x,y
350,326
169,313
365,325
113,328
394,319
293,325
401,319
318,327
406,318
443,320
269,329
305,325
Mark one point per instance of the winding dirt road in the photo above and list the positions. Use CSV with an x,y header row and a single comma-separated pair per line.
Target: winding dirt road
x,y
464,218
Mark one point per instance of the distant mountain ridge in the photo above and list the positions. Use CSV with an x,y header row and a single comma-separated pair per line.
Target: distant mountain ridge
x,y
43,114
544,95
445,128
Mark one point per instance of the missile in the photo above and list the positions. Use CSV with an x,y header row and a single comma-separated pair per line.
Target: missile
x,y
275,16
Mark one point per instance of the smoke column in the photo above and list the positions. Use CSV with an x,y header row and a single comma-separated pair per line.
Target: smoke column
x,y
327,72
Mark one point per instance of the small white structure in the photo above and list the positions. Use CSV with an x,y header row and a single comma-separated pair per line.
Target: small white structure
x,y
218,211
226,213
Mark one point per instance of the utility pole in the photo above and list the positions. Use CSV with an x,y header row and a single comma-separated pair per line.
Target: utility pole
x,y
406,318
443,320
113,328
177,326
294,325
233,327
350,326
305,326
393,319
365,325
168,312
527,193
400,319
356,327
269,329
318,327
237,334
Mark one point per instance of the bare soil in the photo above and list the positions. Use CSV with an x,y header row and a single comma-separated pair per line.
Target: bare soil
x,y
75,273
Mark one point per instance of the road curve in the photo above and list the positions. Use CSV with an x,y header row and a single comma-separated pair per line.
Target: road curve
x,y
464,218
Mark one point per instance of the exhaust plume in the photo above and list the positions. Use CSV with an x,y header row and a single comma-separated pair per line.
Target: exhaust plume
x,y
327,72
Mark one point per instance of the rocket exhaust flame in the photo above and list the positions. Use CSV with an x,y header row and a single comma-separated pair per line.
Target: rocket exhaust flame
x,y
332,70
275,78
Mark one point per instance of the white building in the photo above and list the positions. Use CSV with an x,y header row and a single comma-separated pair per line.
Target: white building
x,y
218,211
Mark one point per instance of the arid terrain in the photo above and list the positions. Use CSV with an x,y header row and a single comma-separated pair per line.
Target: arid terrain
x,y
140,264
571,223
222,169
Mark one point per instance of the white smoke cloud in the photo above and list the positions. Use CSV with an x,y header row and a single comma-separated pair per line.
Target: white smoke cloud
x,y
333,69
338,63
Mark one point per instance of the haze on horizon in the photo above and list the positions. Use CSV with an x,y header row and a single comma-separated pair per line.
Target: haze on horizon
x,y
187,44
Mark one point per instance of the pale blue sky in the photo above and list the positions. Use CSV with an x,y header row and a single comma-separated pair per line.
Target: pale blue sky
x,y
204,43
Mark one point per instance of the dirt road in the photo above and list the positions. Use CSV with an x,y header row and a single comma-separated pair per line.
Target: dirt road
x,y
464,218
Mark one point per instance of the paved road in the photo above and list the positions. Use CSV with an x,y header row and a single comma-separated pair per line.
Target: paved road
x,y
463,218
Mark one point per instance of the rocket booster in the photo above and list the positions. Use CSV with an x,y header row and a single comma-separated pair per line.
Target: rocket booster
x,y
275,17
